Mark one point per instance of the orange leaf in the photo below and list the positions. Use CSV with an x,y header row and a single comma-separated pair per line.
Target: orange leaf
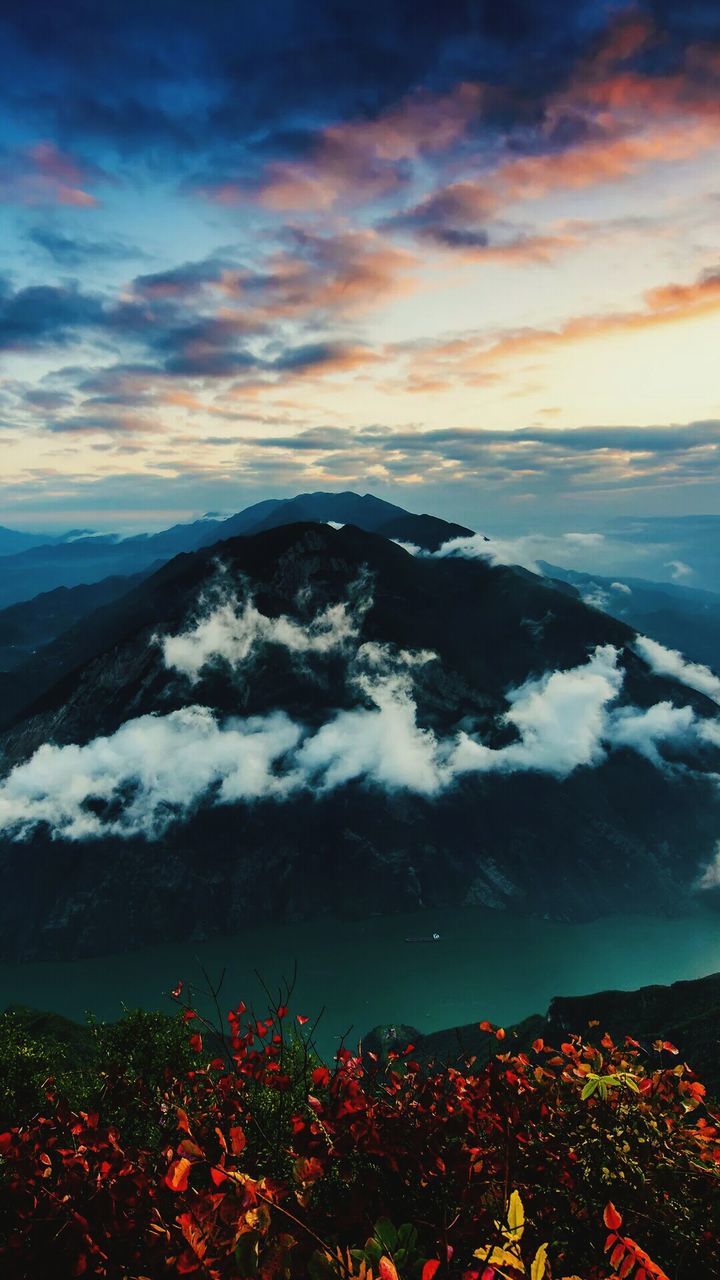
x,y
176,1177
387,1270
611,1217
617,1254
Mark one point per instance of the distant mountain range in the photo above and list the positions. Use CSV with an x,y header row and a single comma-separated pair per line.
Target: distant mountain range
x,y
31,564
683,618
305,720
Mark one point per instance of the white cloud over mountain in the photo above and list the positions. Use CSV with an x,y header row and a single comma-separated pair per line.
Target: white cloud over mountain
x,y
156,769
669,662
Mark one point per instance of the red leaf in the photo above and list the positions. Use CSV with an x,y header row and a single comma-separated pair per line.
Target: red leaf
x,y
611,1217
302,1019
177,991
430,1268
6,1141
196,1042
387,1270
321,1076
238,1140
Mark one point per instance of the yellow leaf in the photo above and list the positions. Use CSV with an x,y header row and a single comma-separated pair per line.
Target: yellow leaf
x,y
258,1219
516,1216
538,1268
497,1257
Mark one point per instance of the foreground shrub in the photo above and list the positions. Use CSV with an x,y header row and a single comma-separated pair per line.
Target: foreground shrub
x,y
258,1159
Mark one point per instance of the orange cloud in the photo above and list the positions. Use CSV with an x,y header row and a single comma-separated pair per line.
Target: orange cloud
x,y
42,174
362,159
345,274
606,161
469,359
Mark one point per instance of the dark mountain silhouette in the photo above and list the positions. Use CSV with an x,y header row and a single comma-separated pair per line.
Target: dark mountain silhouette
x,y
83,560
622,832
424,531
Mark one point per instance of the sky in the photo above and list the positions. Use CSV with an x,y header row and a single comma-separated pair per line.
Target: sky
x,y
462,255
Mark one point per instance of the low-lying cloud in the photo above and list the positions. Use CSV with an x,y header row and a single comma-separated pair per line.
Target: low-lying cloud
x,y
669,662
230,630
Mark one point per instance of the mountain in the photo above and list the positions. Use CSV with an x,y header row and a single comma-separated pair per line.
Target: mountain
x,y
683,618
27,627
14,540
310,720
77,560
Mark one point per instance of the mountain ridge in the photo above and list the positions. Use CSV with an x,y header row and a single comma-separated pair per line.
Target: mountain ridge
x,y
45,566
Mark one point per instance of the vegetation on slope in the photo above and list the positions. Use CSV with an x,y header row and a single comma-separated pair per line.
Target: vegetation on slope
x,y
235,1151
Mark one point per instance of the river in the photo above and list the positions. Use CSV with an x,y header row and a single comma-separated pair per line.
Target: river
x,y
485,964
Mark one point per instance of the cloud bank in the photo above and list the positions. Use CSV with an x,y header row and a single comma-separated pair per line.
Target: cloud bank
x,y
158,769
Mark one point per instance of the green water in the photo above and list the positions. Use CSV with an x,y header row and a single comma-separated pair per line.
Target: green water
x,y
485,965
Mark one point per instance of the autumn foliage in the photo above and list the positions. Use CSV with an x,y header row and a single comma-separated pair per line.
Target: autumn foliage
x,y
589,1160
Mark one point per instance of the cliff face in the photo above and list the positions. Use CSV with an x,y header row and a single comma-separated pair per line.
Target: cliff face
x,y
623,831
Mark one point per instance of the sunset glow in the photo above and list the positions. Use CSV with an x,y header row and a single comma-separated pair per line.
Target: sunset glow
x,y
474,257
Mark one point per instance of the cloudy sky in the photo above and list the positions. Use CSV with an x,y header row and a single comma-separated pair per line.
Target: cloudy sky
x,y
463,254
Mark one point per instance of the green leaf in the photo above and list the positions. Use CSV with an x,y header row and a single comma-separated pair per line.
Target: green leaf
x,y
407,1235
247,1253
386,1234
589,1088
